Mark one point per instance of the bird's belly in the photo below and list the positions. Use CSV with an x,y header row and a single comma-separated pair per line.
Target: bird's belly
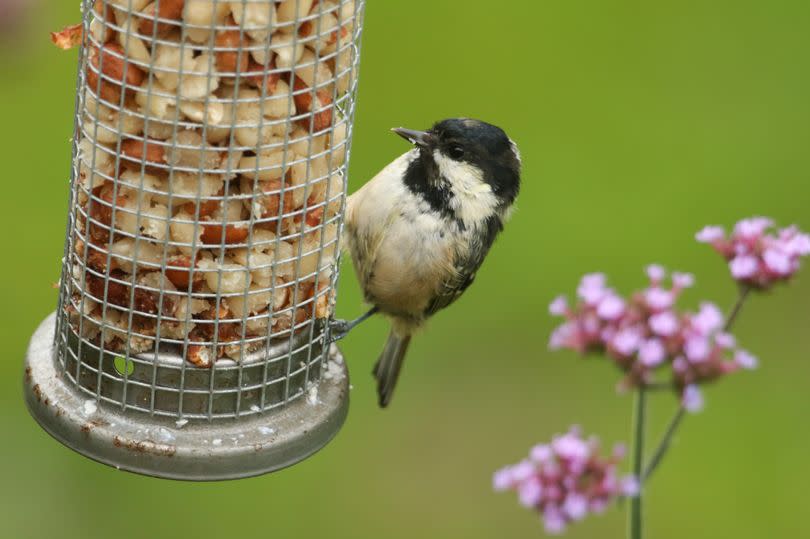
x,y
409,266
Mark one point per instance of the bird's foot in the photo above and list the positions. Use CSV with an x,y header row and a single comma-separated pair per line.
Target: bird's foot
x,y
338,329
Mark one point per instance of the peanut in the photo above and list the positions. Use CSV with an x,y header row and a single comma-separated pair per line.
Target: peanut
x,y
199,355
100,26
111,61
226,278
231,61
267,166
181,278
290,11
168,9
143,151
263,78
207,207
212,234
320,107
256,17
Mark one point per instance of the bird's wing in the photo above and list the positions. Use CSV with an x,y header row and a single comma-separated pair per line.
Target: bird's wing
x,y
464,270
449,292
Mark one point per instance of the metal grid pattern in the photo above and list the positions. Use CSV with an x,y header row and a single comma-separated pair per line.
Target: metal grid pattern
x,y
208,184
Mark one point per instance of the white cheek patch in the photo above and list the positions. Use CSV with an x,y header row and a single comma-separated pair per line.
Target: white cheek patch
x,y
515,150
473,199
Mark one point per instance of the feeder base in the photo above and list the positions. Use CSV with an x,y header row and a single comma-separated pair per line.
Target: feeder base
x,y
197,451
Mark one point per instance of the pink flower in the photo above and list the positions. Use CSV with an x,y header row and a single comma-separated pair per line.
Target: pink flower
x,y
553,520
611,307
664,324
592,288
794,242
571,446
752,227
725,341
745,360
627,341
659,299
682,280
697,349
743,267
502,479
564,336
530,492
541,453
575,506
777,261
708,319
646,336
692,399
559,306
758,255
566,480
656,273
630,486
652,353
522,471
710,234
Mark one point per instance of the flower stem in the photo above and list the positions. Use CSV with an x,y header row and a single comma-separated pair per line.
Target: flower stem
x,y
732,316
675,422
638,459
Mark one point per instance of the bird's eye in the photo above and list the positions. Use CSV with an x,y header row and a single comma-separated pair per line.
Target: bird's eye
x,y
455,151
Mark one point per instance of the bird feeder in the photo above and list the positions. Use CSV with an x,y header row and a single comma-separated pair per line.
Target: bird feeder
x,y
210,150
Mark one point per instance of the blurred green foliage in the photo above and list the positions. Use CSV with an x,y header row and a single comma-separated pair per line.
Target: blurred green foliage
x,y
639,122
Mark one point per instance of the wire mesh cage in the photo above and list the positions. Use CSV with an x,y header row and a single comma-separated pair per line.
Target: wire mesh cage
x,y
208,183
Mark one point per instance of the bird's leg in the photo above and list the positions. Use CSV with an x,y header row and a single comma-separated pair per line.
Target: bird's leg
x,y
338,329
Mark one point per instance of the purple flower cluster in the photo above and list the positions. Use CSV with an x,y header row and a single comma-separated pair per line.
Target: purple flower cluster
x,y
566,480
645,334
654,344
758,255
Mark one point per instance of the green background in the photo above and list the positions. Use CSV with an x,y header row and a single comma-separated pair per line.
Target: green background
x,y
639,122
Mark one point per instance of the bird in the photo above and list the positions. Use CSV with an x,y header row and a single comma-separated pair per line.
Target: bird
x,y
420,229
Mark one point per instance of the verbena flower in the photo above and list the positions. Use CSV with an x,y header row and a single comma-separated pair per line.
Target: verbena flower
x,y
647,338
566,480
758,254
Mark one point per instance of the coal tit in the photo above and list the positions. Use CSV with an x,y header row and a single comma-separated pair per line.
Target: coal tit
x,y
420,229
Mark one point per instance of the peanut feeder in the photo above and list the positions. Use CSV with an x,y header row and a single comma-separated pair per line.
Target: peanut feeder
x,y
210,153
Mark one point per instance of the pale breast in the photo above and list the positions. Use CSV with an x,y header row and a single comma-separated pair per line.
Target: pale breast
x,y
412,261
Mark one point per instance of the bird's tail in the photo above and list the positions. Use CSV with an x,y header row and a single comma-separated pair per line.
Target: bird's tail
x,y
386,371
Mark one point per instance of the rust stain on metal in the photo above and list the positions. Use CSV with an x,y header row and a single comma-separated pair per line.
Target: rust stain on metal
x,y
28,375
37,392
145,446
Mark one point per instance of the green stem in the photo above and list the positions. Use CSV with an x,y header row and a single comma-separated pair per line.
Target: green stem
x,y
675,422
732,316
638,459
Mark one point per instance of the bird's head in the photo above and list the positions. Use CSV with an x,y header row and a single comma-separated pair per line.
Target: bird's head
x,y
469,153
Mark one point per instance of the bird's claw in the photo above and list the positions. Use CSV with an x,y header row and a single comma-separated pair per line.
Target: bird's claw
x,y
338,329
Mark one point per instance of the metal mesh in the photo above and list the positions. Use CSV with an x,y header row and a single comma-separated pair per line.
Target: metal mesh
x,y
208,184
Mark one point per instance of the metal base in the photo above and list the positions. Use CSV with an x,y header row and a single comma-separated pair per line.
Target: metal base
x,y
197,451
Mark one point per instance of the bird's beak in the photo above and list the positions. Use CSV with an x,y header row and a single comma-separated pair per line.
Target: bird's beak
x,y
423,139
